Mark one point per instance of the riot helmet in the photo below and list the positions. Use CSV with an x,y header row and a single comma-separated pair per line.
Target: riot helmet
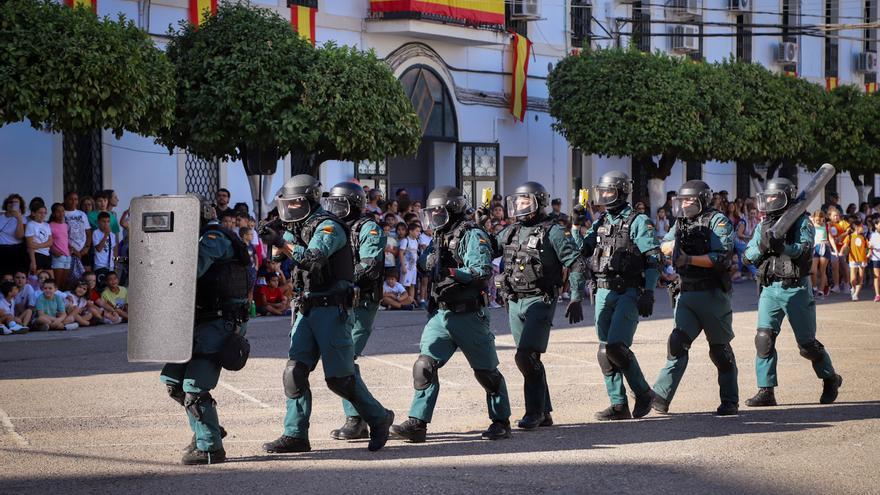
x,y
613,190
298,198
445,205
778,194
526,200
692,199
346,200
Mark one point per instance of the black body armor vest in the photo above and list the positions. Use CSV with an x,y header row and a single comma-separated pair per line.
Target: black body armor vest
x,y
446,248
340,265
226,280
782,268
616,258
528,270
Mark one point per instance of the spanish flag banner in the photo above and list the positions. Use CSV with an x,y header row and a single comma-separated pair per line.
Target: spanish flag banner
x,y
831,83
790,73
870,87
476,12
303,21
89,4
199,10
522,47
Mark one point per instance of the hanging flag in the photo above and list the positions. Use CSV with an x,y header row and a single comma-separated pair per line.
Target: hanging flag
x,y
199,10
522,47
870,87
830,83
303,20
470,12
791,73
89,4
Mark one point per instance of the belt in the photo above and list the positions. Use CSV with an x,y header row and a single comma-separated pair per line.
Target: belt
x,y
787,283
616,284
462,307
331,300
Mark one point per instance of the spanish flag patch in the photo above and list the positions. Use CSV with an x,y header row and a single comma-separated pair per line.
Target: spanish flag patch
x,y
373,232
328,229
482,241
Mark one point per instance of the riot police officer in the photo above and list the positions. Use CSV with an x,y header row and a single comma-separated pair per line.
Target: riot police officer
x,y
623,257
459,260
347,200
701,247
323,275
784,274
220,325
535,251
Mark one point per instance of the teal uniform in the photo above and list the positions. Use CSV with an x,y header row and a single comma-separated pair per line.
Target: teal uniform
x,y
371,246
703,306
616,311
324,333
793,298
202,373
530,311
460,323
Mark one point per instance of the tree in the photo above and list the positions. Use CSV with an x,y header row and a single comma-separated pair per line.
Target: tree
x,y
65,70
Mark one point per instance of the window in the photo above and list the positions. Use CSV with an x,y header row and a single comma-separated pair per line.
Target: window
x,y
744,38
477,169
201,177
581,23
373,175
518,26
82,162
431,101
641,27
832,12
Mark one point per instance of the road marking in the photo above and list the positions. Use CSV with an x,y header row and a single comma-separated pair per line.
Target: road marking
x,y
9,428
407,368
248,396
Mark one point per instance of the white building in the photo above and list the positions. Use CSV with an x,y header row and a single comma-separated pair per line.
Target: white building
x,y
471,139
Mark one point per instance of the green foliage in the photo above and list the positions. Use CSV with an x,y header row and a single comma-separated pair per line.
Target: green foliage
x,y
64,69
847,135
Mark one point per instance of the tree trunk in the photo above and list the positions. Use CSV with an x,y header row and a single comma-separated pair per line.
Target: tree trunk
x,y
861,188
656,183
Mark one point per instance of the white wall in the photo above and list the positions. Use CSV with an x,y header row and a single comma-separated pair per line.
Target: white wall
x,y
138,166
27,163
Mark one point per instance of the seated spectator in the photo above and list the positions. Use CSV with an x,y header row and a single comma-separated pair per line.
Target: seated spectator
x,y
270,298
50,310
394,296
25,298
116,296
98,306
79,308
9,323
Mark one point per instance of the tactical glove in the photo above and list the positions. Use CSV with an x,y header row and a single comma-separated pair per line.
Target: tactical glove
x,y
646,303
777,244
574,312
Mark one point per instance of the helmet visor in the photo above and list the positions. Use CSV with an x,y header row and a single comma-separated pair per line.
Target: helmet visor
x,y
604,195
337,206
772,201
434,217
294,209
520,205
686,206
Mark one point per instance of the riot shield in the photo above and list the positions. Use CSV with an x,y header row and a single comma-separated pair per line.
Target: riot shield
x,y
163,256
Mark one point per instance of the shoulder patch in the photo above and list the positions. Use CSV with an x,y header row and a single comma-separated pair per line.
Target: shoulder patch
x,y
567,234
722,224
482,241
374,232
212,236
328,229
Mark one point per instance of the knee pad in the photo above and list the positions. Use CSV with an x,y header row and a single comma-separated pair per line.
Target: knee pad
x,y
812,350
619,355
295,379
193,402
604,364
722,356
528,362
490,380
765,342
176,393
678,345
424,372
342,386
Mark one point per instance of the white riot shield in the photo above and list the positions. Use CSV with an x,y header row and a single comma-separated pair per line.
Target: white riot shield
x,y
162,260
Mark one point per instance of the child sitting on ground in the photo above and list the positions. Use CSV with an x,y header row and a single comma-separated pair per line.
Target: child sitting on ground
x,y
79,308
50,310
97,305
270,298
9,323
116,296
394,296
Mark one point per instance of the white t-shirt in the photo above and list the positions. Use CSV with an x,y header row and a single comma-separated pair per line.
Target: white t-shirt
x,y
411,246
104,258
424,240
874,244
27,296
389,257
396,290
8,226
78,224
72,299
41,232
6,307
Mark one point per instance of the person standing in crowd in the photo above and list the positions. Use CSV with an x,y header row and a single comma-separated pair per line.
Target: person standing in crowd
x,y
624,260
874,258
784,264
409,254
403,200
87,204
374,199
837,230
320,244
60,248
556,214
459,260
221,201
106,248
701,247
13,248
38,235
79,232
102,205
661,224
857,255
536,251
821,255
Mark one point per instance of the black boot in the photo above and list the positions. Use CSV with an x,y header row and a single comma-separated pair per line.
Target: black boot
x,y
829,389
727,408
286,444
353,428
379,434
643,404
531,421
192,443
194,457
765,397
614,412
548,420
413,430
660,404
497,430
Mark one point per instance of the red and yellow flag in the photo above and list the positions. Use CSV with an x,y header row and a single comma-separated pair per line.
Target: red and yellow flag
x,y
870,87
89,4
303,21
790,73
831,83
199,10
522,47
478,12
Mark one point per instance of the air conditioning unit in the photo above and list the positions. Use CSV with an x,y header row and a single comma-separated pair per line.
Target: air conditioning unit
x,y
740,6
787,52
684,8
685,39
526,10
866,62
